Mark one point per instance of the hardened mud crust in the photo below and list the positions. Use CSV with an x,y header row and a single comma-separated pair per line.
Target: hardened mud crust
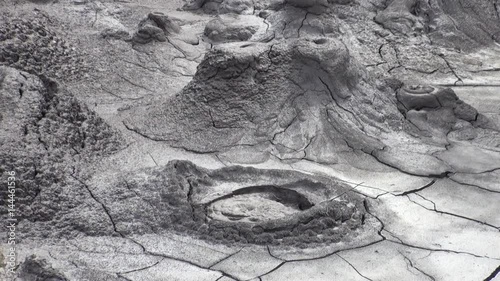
x,y
241,205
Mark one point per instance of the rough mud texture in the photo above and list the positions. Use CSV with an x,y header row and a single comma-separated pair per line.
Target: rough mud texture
x,y
47,133
156,27
236,205
462,24
30,46
258,140
254,93
305,99
34,268
233,28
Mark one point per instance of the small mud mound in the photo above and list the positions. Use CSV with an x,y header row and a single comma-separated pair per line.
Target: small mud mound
x,y
45,135
31,46
237,205
435,112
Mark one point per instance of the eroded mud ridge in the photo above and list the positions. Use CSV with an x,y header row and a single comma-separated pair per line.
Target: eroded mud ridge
x,y
245,205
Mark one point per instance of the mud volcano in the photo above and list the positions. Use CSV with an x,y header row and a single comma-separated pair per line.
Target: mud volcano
x,y
299,98
306,99
238,205
47,135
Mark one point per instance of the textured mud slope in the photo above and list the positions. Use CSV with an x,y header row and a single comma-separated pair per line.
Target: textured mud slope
x,y
318,86
46,135
308,99
31,46
288,93
235,205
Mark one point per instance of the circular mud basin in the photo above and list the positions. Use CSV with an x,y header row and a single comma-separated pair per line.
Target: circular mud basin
x,y
419,89
287,209
258,205
241,205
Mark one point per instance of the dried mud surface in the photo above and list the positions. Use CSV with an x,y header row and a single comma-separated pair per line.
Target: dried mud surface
x,y
251,140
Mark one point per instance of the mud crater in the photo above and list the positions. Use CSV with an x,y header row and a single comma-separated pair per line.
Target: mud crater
x,y
248,205
258,204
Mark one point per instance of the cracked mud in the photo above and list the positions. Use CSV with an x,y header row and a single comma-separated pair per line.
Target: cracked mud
x,y
241,205
257,140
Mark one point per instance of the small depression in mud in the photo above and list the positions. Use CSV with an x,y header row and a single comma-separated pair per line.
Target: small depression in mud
x,y
241,205
258,204
273,207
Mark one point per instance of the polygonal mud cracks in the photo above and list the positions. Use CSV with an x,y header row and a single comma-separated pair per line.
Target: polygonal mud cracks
x,y
239,205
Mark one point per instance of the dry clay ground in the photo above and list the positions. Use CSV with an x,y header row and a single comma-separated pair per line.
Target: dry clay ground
x,y
422,227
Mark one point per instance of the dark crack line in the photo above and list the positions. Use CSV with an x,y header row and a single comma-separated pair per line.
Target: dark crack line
x,y
361,127
220,160
132,129
357,271
410,263
143,268
121,276
145,251
225,258
485,70
452,69
214,124
493,274
467,85
448,213
302,24
401,242
133,83
189,197
320,257
77,248
141,198
473,185
120,97
384,192
272,255
418,189
95,17
444,175
178,49
106,211
152,158
380,49
485,171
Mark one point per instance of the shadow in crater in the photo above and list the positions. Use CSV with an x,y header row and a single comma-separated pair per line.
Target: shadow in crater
x,y
285,196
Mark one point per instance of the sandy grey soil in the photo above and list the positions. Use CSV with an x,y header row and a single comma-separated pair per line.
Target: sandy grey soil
x,y
251,140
